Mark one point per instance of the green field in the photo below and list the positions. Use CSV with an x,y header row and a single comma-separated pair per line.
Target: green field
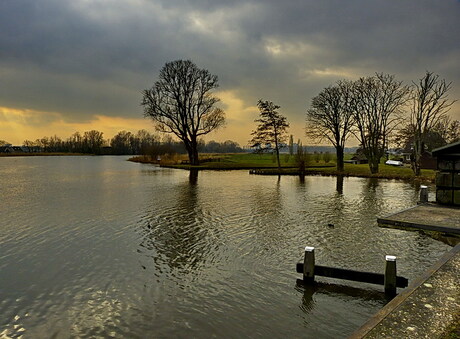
x,y
266,164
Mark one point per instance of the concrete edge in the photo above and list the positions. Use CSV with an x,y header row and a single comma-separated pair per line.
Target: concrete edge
x,y
386,216
416,226
400,298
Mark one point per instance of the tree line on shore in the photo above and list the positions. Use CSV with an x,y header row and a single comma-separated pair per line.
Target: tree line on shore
x,y
380,110
123,143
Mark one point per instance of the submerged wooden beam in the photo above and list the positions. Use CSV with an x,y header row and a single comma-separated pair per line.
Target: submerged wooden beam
x,y
345,274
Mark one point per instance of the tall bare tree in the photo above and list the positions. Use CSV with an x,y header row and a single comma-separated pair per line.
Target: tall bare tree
x,y
330,117
272,127
453,131
93,141
429,107
181,103
377,104
444,132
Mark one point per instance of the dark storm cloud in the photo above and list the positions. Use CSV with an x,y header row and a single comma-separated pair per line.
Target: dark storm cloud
x,y
84,57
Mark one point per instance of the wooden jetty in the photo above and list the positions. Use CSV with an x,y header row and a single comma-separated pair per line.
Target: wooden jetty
x,y
389,279
431,305
426,217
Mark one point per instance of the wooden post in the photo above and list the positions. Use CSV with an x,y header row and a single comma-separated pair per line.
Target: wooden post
x,y
423,194
390,275
309,265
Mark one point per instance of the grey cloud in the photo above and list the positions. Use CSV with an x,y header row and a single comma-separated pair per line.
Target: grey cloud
x,y
82,58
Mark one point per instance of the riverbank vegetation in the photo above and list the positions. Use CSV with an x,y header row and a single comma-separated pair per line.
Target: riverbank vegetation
x,y
123,143
266,164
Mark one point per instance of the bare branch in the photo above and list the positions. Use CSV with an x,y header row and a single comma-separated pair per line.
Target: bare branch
x,y
181,102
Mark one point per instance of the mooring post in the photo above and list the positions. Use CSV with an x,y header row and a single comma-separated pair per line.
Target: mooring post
x,y
423,194
390,275
309,264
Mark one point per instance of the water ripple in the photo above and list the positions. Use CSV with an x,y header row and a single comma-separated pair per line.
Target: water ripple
x,y
99,247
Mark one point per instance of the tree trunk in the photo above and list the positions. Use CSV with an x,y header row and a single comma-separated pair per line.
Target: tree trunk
x,y
418,147
193,156
339,155
278,157
417,166
374,165
192,150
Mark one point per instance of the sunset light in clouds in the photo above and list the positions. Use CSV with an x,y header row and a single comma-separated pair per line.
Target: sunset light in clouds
x,y
68,66
19,125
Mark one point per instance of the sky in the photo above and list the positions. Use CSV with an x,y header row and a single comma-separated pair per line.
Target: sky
x,y
68,66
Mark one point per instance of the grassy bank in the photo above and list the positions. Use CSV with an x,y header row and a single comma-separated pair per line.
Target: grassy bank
x,y
385,172
266,164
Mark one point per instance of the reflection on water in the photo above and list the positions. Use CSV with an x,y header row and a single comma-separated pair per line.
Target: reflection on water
x,y
193,176
177,237
100,247
339,184
309,290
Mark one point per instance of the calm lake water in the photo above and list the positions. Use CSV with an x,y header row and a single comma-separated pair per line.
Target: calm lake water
x,y
102,247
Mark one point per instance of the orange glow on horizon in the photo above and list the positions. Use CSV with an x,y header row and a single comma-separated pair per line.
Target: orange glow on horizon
x,y
17,125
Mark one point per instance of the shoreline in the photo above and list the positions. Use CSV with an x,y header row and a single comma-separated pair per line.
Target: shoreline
x,y
293,171
42,154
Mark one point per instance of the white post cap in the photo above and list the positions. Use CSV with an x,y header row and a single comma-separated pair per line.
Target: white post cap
x,y
423,187
309,249
390,258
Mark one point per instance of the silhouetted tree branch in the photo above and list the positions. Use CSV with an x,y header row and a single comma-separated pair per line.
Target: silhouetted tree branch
x,y
272,127
330,117
429,107
376,106
181,102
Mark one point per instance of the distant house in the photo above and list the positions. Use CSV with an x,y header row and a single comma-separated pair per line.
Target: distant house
x,y
358,159
17,149
6,149
20,149
405,157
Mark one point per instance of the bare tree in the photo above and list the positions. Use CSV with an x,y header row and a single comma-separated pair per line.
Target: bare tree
x,y
331,118
272,127
75,142
93,141
181,103
377,104
429,107
444,132
453,131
